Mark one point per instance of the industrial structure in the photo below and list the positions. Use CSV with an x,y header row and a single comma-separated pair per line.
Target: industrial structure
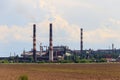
x,y
59,53
81,42
34,43
53,53
50,44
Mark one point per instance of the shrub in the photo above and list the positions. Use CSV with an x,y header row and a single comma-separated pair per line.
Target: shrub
x,y
65,61
41,62
23,77
85,61
4,61
103,60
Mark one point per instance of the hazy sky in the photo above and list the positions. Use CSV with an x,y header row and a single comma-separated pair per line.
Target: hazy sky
x,y
100,20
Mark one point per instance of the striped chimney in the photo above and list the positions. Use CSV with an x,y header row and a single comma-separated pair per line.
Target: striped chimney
x,y
50,44
81,42
34,43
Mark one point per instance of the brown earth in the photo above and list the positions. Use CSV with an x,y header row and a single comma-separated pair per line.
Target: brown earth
x,y
61,71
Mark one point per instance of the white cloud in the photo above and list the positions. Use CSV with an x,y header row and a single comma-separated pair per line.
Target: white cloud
x,y
104,33
63,30
99,35
15,33
114,21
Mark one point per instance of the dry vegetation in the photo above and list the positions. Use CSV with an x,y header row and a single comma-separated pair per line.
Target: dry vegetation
x,y
60,71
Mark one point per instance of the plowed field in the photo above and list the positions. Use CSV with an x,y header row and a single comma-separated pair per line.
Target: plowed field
x,y
61,71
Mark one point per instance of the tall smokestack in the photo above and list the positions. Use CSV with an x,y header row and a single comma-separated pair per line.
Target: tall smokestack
x,y
34,43
112,46
50,44
81,42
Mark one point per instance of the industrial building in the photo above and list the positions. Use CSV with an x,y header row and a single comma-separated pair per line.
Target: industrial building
x,y
55,53
59,52
51,53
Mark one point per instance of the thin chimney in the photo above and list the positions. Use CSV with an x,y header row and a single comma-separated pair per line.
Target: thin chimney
x,y
81,42
50,44
34,43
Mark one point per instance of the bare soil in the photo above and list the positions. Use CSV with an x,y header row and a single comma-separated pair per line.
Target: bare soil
x,y
61,71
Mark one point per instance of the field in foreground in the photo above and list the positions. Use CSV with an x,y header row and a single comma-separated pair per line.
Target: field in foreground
x,y
60,71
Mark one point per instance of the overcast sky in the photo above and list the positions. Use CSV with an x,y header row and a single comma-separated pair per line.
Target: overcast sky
x,y
100,20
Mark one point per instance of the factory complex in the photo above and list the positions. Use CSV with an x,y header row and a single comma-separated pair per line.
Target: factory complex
x,y
53,53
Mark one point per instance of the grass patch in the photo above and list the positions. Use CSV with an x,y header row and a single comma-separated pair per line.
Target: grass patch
x,y
23,77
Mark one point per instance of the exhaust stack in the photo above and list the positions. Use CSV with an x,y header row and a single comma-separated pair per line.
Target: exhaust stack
x,y
50,44
34,43
81,42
